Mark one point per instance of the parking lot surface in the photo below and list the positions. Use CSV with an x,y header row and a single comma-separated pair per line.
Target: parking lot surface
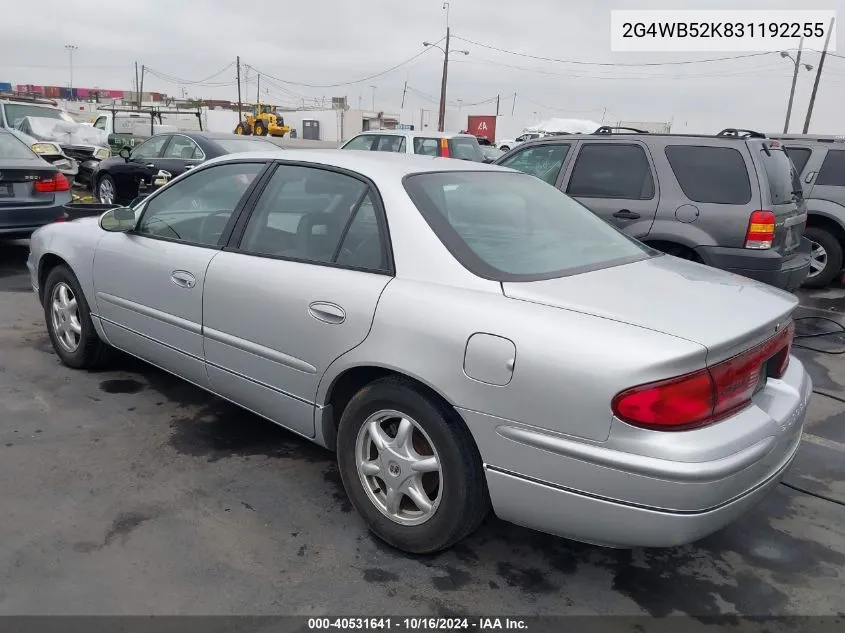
x,y
128,491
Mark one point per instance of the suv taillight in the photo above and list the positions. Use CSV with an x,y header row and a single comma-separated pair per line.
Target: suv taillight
x,y
57,183
761,230
708,395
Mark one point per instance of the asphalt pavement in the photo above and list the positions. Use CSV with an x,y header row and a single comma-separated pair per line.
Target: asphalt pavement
x,y
128,491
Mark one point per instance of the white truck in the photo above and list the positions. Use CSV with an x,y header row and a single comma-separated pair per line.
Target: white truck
x,y
126,126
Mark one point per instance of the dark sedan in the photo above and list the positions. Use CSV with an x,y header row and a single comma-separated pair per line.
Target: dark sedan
x,y
146,167
32,191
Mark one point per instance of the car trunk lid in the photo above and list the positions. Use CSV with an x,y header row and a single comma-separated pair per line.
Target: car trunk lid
x,y
17,182
723,312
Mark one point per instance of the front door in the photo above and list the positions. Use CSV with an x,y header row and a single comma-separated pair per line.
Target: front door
x,y
294,292
180,155
149,282
616,182
139,171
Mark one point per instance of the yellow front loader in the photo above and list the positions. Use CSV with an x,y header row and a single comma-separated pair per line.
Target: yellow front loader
x,y
261,121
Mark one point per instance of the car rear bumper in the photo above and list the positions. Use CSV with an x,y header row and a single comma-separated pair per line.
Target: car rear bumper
x,y
766,266
19,222
591,492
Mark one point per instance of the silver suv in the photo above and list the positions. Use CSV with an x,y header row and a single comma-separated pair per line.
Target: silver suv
x,y
820,161
731,201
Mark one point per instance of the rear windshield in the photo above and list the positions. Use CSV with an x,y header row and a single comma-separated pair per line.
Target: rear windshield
x,y
465,149
784,183
236,145
17,112
510,226
11,147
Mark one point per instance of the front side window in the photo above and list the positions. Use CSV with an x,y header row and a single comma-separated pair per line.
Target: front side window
x,y
512,227
100,123
315,215
612,170
715,175
832,171
363,142
542,161
151,148
197,209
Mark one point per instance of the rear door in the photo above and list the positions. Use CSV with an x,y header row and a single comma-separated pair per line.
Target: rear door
x,y
780,184
615,180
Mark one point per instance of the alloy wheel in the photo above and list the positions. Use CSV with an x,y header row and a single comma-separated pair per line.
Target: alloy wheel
x,y
64,311
106,192
818,259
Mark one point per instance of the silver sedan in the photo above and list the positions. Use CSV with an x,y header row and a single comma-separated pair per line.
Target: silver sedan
x,y
463,336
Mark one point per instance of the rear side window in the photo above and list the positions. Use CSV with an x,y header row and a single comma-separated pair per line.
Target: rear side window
x,y
426,146
799,157
390,143
543,161
784,184
465,149
714,175
609,170
833,169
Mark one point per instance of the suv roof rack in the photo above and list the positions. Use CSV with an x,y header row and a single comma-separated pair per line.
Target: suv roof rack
x,y
11,96
821,138
607,129
740,133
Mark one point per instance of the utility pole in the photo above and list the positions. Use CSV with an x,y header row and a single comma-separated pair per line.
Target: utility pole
x,y
141,87
404,91
441,118
258,89
374,98
137,89
497,105
818,77
794,81
513,107
70,48
240,110
603,114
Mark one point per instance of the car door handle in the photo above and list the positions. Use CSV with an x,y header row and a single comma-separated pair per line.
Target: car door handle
x,y
187,167
183,279
327,312
150,165
624,214
810,177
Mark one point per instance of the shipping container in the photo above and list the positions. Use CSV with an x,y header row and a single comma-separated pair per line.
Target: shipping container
x,y
52,92
5,87
482,125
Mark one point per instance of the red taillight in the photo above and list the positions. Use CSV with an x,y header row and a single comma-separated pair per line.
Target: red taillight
x,y
708,395
444,147
57,183
761,230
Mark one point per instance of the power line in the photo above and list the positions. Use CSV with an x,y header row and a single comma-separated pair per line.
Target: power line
x,y
584,63
204,81
350,83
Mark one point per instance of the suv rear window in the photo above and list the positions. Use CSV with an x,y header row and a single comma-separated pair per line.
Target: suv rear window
x,y
833,169
784,183
715,175
509,226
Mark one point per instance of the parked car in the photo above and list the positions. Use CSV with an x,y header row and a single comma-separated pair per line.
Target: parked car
x,y
138,171
489,149
498,345
820,161
510,143
76,160
443,144
731,201
32,191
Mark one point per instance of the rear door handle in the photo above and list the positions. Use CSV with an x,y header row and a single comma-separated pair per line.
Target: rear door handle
x,y
327,312
624,214
183,279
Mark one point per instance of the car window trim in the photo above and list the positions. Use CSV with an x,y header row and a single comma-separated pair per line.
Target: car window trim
x,y
233,219
192,141
649,160
150,140
234,242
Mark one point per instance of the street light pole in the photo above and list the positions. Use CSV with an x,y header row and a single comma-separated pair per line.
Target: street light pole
x,y
374,97
797,62
70,48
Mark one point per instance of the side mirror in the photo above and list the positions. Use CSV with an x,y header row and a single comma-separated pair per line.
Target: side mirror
x,y
118,220
125,153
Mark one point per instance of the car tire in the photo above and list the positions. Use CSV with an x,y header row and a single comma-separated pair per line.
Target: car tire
x,y
106,182
456,490
831,252
504,148
87,351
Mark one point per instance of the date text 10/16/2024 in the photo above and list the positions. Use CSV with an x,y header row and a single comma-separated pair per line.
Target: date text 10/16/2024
x,y
417,624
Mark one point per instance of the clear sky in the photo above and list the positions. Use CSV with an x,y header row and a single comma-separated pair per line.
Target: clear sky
x,y
322,42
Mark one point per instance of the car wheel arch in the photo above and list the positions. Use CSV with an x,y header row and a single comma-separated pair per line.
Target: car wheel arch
x,y
46,264
827,222
678,249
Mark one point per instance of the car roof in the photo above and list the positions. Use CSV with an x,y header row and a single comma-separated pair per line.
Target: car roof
x,y
425,133
34,102
367,163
